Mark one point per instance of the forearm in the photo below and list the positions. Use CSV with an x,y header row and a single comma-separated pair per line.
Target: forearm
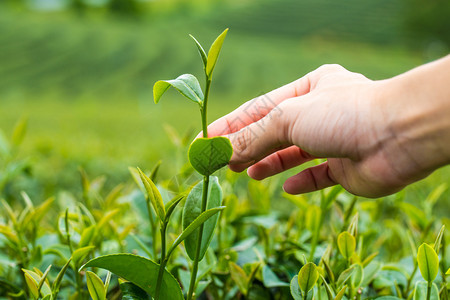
x,y
419,117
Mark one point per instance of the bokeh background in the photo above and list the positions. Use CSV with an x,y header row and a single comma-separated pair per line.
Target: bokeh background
x,y
82,71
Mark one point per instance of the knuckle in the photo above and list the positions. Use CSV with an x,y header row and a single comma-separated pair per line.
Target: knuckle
x,y
331,67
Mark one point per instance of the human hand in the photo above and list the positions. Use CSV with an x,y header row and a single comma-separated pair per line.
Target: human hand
x,y
360,126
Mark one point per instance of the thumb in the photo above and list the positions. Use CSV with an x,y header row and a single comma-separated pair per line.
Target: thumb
x,y
261,138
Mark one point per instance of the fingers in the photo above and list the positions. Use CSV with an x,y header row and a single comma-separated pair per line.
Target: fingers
x,y
268,135
278,162
309,180
257,108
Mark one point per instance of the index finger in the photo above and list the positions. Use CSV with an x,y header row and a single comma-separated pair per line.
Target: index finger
x,y
257,108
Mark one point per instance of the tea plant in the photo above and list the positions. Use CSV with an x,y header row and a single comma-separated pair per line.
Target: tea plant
x,y
202,204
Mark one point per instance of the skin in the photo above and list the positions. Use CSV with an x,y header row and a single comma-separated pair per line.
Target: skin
x,y
376,136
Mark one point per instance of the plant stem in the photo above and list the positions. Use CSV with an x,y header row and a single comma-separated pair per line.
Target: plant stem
x,y
203,111
429,290
199,241
162,262
204,108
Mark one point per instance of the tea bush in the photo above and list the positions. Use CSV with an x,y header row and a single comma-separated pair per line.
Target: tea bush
x,y
175,237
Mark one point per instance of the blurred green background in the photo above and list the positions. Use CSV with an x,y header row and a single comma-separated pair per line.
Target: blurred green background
x,y
82,71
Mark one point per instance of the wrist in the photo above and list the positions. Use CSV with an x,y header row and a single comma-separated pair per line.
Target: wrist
x,y
417,106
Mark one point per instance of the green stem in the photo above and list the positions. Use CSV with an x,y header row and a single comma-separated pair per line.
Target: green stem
x,y
408,285
163,260
204,108
429,290
199,241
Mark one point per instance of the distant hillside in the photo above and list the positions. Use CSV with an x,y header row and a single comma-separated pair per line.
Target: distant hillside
x,y
378,21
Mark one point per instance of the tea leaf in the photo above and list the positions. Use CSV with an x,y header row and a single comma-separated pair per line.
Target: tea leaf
x,y
153,195
428,262
44,280
32,285
341,293
270,279
86,236
186,84
448,272
192,209
327,288
172,204
346,244
57,282
357,276
295,289
80,254
214,51
307,277
131,291
141,271
207,155
437,243
202,218
345,275
420,291
95,286
201,51
239,276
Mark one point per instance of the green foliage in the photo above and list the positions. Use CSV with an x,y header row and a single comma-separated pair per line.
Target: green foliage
x,y
95,286
186,84
428,262
421,291
207,155
192,210
141,271
307,277
346,244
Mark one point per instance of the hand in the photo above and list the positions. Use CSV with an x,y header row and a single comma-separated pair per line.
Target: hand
x,y
360,126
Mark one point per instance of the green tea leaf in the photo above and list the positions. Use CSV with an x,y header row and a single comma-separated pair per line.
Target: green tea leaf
x,y
437,243
44,289
270,279
214,51
131,291
428,262
346,244
239,276
172,204
295,289
388,298
95,286
345,275
186,84
192,209
420,291
153,195
32,285
141,271
357,276
57,282
307,277
86,236
327,288
80,254
201,51
207,155
448,272
341,293
202,218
